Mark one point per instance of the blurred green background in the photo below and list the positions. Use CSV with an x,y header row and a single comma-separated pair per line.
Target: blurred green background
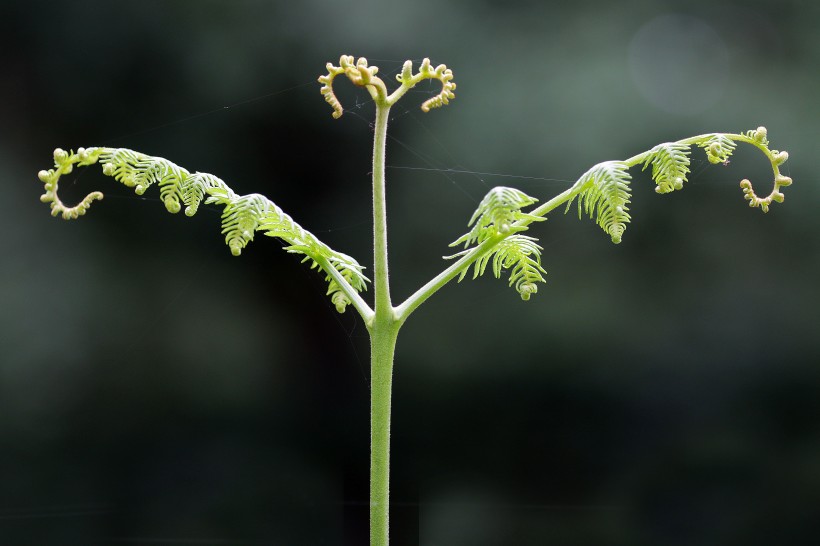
x,y
156,390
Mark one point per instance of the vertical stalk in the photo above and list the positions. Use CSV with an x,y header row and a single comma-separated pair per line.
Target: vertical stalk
x,y
383,332
381,285
382,348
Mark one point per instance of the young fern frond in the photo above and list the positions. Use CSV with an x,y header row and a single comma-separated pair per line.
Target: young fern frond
x,y
242,215
670,165
604,193
496,215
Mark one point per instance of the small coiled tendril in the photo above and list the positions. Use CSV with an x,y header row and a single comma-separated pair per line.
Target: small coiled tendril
x,y
242,216
363,75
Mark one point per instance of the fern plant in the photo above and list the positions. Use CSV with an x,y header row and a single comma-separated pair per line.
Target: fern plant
x,y
495,235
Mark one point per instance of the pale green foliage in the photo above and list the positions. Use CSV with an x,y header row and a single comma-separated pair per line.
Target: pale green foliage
x,y
670,165
522,254
242,215
495,216
718,148
604,193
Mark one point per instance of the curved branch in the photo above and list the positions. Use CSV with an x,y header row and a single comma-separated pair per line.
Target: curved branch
x,y
604,190
242,215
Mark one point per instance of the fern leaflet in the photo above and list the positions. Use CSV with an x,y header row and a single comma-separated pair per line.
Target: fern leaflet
x,y
496,214
517,252
718,147
604,193
670,165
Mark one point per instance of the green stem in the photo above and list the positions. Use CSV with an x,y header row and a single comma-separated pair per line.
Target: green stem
x,y
382,348
381,286
384,329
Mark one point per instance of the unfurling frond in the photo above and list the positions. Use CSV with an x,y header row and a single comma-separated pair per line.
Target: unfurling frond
x,y
670,165
495,215
242,216
604,193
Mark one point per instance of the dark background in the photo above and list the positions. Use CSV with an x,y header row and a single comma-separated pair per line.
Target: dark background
x,y
156,390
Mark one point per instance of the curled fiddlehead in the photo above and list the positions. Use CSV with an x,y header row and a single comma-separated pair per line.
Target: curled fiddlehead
x,y
242,215
363,75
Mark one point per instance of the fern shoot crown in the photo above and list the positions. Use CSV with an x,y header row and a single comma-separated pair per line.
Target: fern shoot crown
x,y
495,235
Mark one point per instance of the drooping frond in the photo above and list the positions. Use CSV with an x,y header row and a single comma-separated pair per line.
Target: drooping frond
x,y
496,213
604,193
519,253
242,215
670,165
